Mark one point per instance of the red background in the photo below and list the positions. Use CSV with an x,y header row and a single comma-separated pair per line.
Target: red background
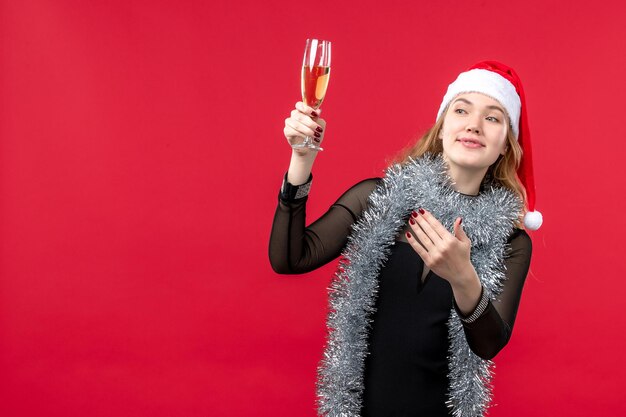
x,y
140,158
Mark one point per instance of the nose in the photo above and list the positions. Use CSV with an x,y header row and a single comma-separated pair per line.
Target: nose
x,y
473,129
473,125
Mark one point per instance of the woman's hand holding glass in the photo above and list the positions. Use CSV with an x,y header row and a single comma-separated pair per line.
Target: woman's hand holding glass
x,y
314,83
303,122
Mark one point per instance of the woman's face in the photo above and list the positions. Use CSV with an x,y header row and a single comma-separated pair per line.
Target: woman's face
x,y
474,132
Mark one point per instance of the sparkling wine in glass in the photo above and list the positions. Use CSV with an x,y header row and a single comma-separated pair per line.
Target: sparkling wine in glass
x,y
315,76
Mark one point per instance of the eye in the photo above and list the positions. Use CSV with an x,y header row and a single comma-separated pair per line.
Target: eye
x,y
493,119
460,111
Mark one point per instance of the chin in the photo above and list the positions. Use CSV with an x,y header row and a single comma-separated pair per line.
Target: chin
x,y
468,163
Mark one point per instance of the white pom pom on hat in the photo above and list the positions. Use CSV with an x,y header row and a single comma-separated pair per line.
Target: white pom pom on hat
x,y
533,220
502,83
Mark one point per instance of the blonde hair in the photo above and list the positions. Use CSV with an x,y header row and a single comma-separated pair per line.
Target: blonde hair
x,y
503,172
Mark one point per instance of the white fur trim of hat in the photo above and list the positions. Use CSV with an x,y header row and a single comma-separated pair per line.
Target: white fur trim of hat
x,y
490,84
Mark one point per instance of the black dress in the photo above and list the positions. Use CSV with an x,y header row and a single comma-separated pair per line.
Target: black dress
x,y
406,371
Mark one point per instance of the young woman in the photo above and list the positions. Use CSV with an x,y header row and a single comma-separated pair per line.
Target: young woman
x,y
434,255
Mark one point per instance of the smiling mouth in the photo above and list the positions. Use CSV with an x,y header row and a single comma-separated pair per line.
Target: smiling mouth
x,y
471,142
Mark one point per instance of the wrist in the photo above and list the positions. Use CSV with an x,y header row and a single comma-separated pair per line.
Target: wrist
x,y
467,290
467,281
481,306
293,193
303,157
467,293
299,169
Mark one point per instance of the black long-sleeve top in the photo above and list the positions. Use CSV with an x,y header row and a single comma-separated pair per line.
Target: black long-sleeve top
x,y
406,369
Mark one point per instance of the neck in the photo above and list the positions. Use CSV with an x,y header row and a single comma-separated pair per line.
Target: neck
x,y
466,181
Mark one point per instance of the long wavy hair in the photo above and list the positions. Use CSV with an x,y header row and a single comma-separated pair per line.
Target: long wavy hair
x,y
503,172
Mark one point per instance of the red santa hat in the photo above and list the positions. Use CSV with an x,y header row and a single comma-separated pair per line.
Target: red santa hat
x,y
501,83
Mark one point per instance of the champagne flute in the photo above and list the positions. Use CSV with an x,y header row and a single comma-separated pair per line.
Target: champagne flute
x,y
315,76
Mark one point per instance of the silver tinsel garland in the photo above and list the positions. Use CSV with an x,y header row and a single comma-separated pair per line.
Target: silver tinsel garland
x,y
488,220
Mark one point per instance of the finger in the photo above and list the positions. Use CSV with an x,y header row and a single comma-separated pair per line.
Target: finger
x,y
294,128
428,229
301,107
310,111
307,121
434,224
292,135
417,247
459,231
419,234
303,128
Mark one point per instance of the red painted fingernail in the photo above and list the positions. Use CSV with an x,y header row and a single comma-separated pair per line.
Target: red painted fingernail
x,y
408,235
313,114
319,129
411,221
316,140
461,220
414,214
421,210
317,135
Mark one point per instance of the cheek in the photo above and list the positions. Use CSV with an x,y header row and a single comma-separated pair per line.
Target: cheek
x,y
498,136
449,131
502,145
503,148
453,124
503,142
446,139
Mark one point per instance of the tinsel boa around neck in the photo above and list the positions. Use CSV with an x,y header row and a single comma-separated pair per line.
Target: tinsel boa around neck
x,y
488,220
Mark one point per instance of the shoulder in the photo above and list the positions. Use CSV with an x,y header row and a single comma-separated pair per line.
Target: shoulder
x,y
357,196
362,189
520,242
365,186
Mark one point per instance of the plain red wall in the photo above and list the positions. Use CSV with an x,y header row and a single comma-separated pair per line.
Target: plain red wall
x,y
141,152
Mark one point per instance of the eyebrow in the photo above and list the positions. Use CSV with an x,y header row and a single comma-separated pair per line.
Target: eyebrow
x,y
492,107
